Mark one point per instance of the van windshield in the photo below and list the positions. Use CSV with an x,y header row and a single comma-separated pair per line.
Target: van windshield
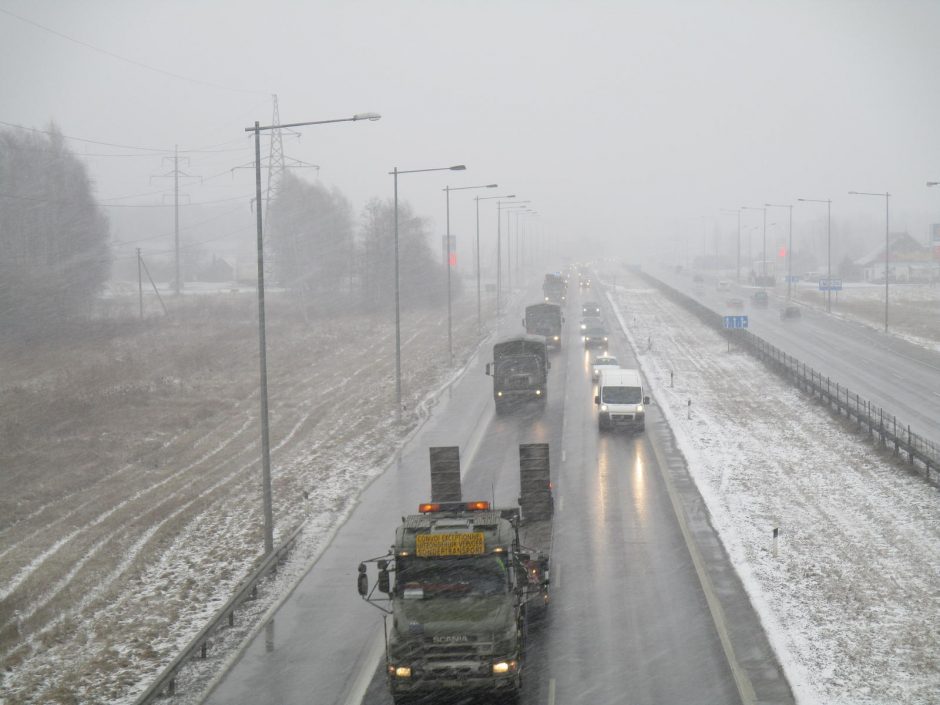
x,y
621,395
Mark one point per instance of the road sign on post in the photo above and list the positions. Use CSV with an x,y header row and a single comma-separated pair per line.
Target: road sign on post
x,y
830,285
735,321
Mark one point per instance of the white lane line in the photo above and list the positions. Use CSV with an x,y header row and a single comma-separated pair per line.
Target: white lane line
x,y
556,575
369,664
561,504
551,691
564,455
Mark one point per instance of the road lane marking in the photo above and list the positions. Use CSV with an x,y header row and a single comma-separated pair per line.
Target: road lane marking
x,y
561,504
551,691
369,665
556,575
564,455
741,679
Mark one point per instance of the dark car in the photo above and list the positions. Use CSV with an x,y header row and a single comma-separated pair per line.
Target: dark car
x,y
735,303
790,312
760,298
595,336
590,308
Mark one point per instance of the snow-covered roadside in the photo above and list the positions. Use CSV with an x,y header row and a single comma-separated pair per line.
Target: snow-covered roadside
x,y
850,600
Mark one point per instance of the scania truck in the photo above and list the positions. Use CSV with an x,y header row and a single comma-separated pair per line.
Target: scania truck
x,y
461,584
519,371
544,320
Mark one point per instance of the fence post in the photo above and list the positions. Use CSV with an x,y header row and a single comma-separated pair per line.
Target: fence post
x,y
897,445
910,446
881,427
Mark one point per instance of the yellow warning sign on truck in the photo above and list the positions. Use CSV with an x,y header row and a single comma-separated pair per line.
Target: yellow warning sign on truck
x,y
436,545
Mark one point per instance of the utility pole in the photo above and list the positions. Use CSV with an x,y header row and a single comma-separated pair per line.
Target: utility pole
x,y
140,286
176,174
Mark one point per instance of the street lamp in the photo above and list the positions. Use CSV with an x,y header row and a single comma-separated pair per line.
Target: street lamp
x,y
450,330
479,299
395,172
789,243
262,344
738,211
887,197
828,203
500,207
763,264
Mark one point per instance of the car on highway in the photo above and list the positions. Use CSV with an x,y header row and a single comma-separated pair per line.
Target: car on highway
x,y
760,298
585,282
594,336
723,285
735,302
590,308
603,362
589,321
790,312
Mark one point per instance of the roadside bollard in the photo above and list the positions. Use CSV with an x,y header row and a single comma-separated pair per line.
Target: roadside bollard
x,y
776,534
690,409
671,378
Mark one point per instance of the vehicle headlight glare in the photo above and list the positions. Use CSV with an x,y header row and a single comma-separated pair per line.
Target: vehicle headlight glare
x,y
603,407
403,671
505,666
538,392
639,408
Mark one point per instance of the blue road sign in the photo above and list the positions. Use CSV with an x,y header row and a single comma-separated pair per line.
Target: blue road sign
x,y
735,321
830,285
792,279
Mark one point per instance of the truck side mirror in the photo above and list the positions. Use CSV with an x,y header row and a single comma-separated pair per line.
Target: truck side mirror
x,y
363,581
646,400
487,369
548,364
384,585
597,398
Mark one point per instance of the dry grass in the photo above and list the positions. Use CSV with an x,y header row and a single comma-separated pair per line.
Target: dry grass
x,y
130,466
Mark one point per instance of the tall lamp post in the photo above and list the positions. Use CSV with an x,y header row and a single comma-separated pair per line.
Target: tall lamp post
x,y
500,207
933,241
449,265
789,242
395,173
828,203
479,297
258,128
763,263
738,212
887,197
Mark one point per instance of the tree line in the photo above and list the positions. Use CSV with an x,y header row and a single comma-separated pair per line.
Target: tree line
x,y
331,262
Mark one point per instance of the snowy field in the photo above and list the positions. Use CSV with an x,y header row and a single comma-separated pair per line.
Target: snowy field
x,y
131,504
851,597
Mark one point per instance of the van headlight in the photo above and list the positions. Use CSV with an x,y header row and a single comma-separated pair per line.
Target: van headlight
x,y
639,408
603,407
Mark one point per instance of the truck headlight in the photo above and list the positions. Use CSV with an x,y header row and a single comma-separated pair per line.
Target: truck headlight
x,y
538,392
501,667
499,394
557,338
400,671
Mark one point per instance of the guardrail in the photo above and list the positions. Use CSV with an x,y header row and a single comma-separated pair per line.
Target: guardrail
x,y
165,684
875,420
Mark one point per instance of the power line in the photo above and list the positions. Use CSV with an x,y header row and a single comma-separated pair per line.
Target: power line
x,y
133,62
122,205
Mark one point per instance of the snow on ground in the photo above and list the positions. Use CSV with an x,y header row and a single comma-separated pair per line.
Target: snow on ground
x,y
851,599
132,511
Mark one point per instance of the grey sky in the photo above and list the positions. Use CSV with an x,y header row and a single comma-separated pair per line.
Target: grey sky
x,y
622,121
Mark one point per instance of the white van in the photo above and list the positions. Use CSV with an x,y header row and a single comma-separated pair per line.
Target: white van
x,y
620,400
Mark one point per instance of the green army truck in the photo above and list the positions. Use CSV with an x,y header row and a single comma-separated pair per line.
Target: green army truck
x,y
461,584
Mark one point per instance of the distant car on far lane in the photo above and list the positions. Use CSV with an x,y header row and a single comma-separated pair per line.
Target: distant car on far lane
x,y
603,362
790,312
735,302
760,298
723,285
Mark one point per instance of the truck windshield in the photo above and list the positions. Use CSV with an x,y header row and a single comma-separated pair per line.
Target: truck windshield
x,y
621,395
452,577
523,365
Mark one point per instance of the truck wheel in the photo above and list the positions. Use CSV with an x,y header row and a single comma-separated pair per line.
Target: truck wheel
x,y
500,408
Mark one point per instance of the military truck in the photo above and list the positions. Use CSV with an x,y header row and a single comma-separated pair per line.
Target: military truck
x,y
519,371
555,288
544,320
461,584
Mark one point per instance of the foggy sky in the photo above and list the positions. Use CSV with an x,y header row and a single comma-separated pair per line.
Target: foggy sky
x,y
623,122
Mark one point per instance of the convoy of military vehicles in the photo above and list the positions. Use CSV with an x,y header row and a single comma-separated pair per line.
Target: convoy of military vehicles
x,y
463,580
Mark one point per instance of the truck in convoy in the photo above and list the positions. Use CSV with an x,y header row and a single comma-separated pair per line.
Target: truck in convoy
x,y
555,288
544,320
519,371
462,583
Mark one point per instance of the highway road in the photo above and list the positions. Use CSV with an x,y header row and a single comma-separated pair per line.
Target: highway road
x,y
637,616
888,371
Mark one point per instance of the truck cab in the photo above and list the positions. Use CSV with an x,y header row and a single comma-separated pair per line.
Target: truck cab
x,y
519,371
